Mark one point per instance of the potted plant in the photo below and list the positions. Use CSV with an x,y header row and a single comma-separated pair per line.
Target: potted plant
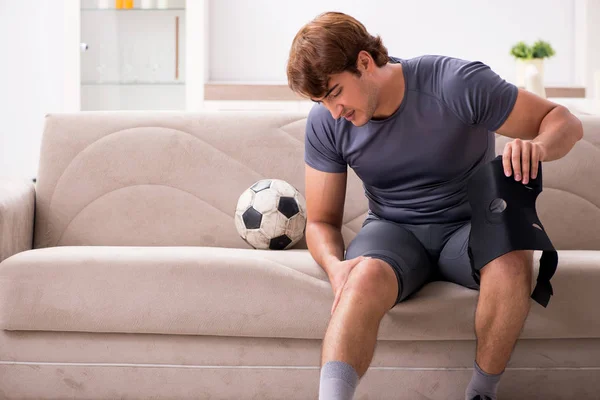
x,y
531,55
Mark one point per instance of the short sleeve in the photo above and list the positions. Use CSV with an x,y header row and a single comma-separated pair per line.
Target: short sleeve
x,y
477,94
319,149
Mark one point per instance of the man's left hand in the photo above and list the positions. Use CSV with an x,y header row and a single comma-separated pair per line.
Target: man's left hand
x,y
521,157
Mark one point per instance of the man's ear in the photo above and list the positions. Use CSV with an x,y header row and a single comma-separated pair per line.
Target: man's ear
x,y
364,61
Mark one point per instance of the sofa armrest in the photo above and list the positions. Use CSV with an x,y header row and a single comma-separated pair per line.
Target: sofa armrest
x,y
17,205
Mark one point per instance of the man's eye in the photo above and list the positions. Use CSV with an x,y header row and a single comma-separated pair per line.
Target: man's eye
x,y
336,95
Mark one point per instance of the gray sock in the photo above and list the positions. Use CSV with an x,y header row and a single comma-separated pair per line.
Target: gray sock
x,y
338,381
482,384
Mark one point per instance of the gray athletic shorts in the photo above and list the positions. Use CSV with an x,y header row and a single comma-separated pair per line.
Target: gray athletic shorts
x,y
418,254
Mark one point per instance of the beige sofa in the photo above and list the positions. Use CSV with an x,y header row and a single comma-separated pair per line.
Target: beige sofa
x,y
122,275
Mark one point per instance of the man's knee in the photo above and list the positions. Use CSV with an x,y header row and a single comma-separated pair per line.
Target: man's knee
x,y
513,267
373,279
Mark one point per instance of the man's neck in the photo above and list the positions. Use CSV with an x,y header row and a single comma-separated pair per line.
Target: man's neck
x,y
391,92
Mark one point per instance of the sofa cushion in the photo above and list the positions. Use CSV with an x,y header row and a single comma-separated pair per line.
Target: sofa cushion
x,y
239,292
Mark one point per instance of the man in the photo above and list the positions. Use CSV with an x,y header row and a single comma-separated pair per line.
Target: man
x,y
414,131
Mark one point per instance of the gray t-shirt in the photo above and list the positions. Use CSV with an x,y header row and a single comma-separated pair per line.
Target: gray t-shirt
x,y
415,164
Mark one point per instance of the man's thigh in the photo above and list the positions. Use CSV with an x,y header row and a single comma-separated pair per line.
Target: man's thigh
x,y
399,248
454,263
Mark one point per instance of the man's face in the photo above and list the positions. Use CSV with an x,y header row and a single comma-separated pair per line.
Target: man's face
x,y
352,97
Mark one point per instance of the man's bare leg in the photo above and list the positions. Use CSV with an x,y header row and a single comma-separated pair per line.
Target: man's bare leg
x,y
504,303
350,339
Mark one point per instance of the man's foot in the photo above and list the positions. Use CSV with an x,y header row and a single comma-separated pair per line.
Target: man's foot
x,y
483,386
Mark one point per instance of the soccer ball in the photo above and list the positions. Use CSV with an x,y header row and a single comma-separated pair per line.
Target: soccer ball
x,y
271,214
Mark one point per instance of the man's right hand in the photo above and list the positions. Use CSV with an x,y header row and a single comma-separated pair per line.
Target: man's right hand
x,y
339,275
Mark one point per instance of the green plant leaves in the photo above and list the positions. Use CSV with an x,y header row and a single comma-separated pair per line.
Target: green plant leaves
x,y
521,50
540,49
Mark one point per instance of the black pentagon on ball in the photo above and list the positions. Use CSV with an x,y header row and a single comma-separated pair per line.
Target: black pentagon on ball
x,y
261,185
280,242
252,218
288,206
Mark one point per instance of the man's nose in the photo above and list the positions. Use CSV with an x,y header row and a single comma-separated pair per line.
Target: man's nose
x,y
337,111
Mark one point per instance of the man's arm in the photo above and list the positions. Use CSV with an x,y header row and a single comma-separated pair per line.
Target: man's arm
x,y
543,131
549,131
546,123
325,196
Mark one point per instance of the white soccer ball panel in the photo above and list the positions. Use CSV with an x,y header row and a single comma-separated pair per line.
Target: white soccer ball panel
x,y
257,239
273,224
265,201
245,200
283,188
292,243
295,227
301,203
239,225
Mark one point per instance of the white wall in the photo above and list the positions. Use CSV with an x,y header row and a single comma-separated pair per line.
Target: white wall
x,y
250,39
591,62
32,79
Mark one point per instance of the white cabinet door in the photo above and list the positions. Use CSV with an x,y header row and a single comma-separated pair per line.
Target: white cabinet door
x,y
135,54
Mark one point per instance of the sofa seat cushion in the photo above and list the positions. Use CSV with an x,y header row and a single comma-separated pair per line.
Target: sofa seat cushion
x,y
242,292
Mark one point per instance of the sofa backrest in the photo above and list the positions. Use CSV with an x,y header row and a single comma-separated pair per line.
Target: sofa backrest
x,y
173,179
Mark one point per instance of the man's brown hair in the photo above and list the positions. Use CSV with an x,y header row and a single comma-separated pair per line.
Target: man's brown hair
x,y
328,45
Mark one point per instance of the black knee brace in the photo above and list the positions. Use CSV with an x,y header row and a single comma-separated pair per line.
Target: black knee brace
x,y
504,219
